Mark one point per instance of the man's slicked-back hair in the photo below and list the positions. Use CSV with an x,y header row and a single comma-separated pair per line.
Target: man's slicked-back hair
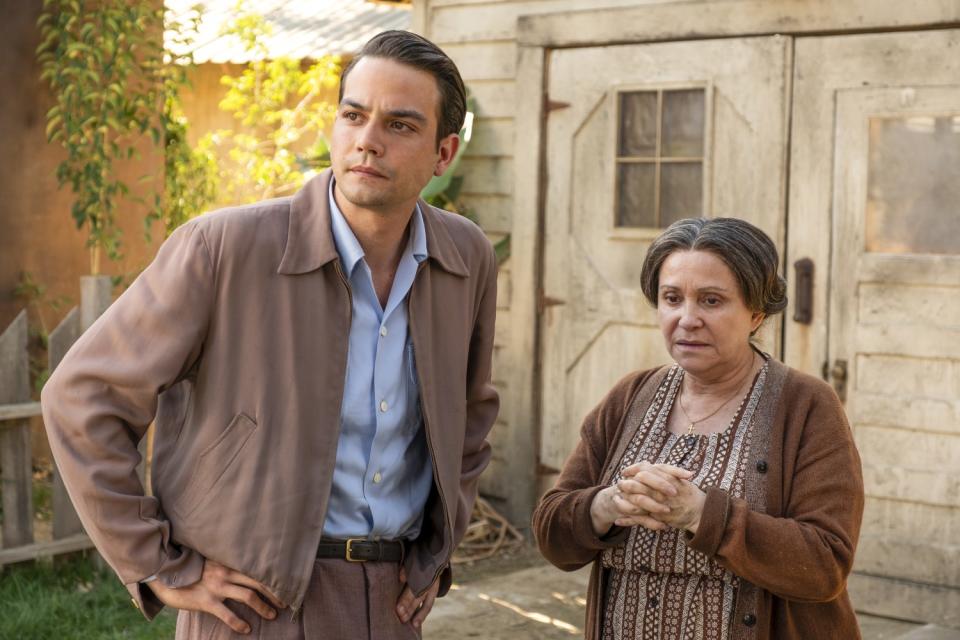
x,y
418,52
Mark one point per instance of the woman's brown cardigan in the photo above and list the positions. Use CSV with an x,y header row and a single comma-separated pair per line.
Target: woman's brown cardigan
x,y
793,553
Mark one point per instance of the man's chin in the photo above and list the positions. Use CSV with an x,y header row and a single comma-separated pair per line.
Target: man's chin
x,y
365,198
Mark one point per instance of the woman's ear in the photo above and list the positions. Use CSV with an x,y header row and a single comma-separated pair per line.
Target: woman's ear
x,y
756,320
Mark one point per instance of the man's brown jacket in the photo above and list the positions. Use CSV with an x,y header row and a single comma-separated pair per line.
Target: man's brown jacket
x,y
235,341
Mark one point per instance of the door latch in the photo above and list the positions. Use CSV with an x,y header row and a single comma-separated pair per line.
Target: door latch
x,y
837,375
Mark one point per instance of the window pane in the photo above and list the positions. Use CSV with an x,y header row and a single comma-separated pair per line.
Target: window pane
x,y
683,116
681,191
913,185
635,195
638,124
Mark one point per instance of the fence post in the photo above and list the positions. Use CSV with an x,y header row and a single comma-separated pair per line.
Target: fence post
x,y
16,473
65,520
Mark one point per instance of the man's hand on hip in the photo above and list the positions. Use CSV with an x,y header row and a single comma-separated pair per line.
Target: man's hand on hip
x,y
412,609
218,583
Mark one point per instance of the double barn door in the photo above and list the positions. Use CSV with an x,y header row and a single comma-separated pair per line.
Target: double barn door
x,y
846,151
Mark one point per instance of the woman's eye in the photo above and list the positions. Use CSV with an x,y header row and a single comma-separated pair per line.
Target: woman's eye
x,y
712,302
671,299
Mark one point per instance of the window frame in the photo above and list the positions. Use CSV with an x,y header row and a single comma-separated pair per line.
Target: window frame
x,y
649,233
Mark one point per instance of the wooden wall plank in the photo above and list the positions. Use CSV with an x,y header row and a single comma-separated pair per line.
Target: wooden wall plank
x,y
932,486
16,471
66,523
884,555
907,520
493,212
495,98
96,294
896,447
491,60
477,21
904,375
519,405
486,175
905,599
905,412
79,542
931,342
11,412
710,19
492,137
910,269
917,305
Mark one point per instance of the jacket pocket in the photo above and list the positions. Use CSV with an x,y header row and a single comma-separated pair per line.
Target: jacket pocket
x,y
214,462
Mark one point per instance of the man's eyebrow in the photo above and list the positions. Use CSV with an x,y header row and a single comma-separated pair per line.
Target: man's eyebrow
x,y
706,289
411,114
353,103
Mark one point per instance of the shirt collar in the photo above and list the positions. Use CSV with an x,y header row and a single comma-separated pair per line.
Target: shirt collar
x,y
349,248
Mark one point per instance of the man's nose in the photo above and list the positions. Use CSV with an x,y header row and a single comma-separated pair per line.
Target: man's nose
x,y
368,140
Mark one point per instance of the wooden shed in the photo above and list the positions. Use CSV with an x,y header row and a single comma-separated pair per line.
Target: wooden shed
x,y
834,126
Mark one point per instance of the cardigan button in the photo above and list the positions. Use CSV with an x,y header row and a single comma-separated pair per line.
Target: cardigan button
x,y
653,601
762,466
749,619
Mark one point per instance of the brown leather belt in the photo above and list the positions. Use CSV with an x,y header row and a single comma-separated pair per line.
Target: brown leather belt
x,y
361,550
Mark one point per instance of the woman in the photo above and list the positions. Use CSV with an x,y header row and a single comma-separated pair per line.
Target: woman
x,y
721,496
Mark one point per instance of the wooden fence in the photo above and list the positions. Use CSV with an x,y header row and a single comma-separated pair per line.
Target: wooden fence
x,y
16,410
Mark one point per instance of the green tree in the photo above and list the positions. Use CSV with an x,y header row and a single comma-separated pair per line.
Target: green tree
x,y
114,83
190,173
102,64
280,111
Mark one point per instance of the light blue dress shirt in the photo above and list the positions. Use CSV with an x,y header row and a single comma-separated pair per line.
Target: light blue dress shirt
x,y
383,473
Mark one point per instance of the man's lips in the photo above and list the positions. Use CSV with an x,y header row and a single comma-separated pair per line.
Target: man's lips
x,y
367,171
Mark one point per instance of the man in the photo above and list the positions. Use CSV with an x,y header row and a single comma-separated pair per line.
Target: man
x,y
318,368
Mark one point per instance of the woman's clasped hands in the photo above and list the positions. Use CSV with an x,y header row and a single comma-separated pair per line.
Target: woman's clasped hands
x,y
654,496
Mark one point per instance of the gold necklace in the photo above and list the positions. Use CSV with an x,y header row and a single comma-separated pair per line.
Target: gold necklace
x,y
693,423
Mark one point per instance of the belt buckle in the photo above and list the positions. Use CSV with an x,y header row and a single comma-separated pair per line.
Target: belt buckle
x,y
349,556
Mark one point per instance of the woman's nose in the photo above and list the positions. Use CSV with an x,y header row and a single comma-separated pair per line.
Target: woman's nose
x,y
689,317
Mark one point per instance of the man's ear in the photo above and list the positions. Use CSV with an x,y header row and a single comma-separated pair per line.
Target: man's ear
x,y
447,151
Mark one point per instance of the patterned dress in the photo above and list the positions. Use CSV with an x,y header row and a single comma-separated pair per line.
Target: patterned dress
x,y
657,587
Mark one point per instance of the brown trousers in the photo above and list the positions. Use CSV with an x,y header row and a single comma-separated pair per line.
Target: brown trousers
x,y
345,601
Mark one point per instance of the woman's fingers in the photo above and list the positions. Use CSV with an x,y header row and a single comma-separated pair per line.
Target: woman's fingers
x,y
648,482
669,469
638,504
643,521
676,472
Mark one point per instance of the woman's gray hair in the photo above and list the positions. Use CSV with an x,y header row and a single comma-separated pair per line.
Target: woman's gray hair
x,y
746,250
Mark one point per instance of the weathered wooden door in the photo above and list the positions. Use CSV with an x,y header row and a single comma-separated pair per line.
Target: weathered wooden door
x,y
890,107
639,136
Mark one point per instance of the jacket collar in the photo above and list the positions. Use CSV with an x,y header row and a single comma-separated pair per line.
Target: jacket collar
x,y
310,243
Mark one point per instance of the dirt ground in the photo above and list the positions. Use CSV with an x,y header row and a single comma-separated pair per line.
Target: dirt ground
x,y
518,596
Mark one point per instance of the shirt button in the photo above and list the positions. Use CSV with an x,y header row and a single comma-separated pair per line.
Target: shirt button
x,y
749,619
383,331
383,406
377,478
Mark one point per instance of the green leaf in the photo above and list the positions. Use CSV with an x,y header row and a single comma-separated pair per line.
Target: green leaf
x,y
52,124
